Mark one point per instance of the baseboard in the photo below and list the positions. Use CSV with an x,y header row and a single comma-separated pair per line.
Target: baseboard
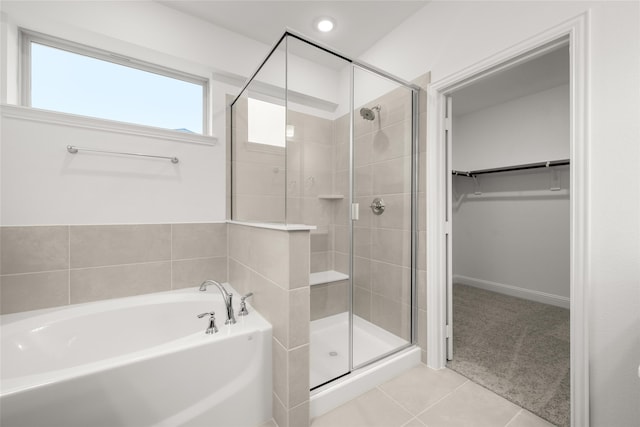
x,y
514,291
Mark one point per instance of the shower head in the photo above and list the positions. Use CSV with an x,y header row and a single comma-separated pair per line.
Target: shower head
x,y
368,113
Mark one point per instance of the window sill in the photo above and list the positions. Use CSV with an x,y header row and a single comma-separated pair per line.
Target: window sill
x,y
46,116
264,148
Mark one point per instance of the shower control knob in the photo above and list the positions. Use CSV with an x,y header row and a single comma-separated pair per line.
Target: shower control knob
x,y
377,206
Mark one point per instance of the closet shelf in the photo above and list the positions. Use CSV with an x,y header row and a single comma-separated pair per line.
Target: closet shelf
x,y
548,164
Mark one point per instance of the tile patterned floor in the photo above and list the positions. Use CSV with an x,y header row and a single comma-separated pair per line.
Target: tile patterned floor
x,y
424,397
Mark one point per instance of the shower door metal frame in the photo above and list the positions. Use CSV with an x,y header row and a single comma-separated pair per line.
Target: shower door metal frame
x,y
415,161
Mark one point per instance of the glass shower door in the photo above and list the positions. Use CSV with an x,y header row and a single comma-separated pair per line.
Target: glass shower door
x,y
317,160
382,234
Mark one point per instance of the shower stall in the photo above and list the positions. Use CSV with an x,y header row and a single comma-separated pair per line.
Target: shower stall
x,y
323,140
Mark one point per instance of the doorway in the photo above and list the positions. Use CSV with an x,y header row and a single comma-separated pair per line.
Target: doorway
x,y
508,292
439,182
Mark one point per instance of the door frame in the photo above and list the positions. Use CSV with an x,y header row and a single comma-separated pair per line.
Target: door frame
x,y
576,30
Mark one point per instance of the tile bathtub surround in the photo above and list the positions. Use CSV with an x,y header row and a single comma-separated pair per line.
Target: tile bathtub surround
x,y
103,245
274,265
48,266
34,249
34,267
22,292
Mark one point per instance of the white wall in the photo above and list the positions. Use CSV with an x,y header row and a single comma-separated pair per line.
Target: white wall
x,y
446,37
43,184
103,189
529,129
514,237
147,31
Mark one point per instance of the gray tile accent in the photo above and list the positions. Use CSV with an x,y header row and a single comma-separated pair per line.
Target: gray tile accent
x,y
329,298
298,375
99,283
299,263
102,245
240,277
391,281
187,273
273,303
33,291
391,315
299,416
267,251
362,303
198,241
274,265
280,412
33,249
136,259
299,316
280,370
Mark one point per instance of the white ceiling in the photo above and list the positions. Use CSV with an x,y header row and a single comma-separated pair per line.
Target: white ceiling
x,y
359,24
542,73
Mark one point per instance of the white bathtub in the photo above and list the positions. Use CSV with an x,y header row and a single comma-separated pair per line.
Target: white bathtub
x,y
137,361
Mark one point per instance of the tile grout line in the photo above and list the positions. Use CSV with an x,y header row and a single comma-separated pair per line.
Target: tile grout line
x,y
263,276
442,398
123,265
69,265
514,417
35,272
197,258
396,402
102,266
171,255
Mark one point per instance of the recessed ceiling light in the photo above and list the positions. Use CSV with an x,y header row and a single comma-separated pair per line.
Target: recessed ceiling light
x,y
325,24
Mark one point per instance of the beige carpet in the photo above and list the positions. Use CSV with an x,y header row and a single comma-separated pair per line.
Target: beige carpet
x,y
517,348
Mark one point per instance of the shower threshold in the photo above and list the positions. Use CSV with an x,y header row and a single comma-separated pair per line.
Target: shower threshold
x,y
329,359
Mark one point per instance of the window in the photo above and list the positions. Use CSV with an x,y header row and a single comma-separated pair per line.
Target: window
x,y
266,123
70,78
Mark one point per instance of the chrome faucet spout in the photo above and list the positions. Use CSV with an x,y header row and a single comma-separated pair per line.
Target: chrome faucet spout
x,y
226,295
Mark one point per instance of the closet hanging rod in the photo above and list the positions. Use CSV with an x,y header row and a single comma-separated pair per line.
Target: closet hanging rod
x,y
73,150
512,168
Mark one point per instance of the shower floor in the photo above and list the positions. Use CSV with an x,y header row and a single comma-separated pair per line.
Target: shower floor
x,y
329,350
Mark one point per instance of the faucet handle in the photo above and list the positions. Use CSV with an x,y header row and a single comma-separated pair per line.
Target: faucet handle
x,y
200,316
212,328
243,305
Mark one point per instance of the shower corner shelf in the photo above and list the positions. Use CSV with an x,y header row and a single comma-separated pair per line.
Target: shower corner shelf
x,y
330,196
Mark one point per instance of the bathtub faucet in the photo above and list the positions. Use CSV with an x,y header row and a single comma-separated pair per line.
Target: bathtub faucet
x,y
212,328
226,295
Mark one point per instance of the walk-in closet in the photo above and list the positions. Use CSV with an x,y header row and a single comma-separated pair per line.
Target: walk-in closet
x,y
510,254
